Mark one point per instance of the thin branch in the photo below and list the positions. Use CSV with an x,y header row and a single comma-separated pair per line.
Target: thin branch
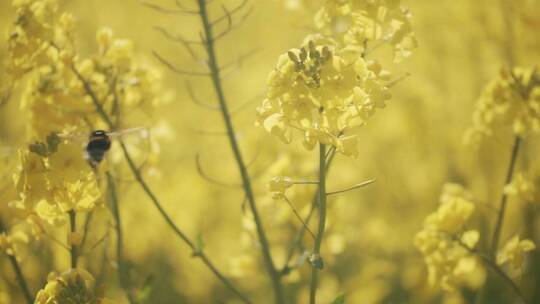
x,y
18,272
123,274
231,26
74,249
165,10
186,43
86,227
157,204
397,80
360,185
300,234
298,216
196,100
177,37
210,133
246,104
207,177
228,13
504,198
493,265
240,60
279,297
177,70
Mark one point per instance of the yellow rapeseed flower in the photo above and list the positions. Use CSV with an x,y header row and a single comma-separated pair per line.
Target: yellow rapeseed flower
x,y
513,252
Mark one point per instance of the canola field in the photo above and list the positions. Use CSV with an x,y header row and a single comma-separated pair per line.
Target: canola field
x,y
269,151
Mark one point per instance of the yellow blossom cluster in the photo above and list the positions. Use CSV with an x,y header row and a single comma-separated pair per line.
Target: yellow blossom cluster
x,y
446,245
327,88
54,181
324,93
70,287
512,99
513,252
360,22
43,43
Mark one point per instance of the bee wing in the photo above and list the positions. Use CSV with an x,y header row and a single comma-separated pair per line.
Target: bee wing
x,y
143,131
78,137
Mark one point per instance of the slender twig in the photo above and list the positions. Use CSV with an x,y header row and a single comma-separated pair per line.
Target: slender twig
x,y
86,227
216,80
197,252
165,10
173,68
293,208
360,185
207,177
18,272
300,234
74,249
318,262
229,13
504,198
123,275
196,100
493,265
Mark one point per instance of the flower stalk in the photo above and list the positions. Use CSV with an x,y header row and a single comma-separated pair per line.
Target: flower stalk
x,y
504,198
209,40
123,275
317,265
18,272
74,248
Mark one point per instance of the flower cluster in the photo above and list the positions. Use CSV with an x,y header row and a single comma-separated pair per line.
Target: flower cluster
x,y
73,286
360,22
42,44
327,88
446,245
53,179
512,99
322,92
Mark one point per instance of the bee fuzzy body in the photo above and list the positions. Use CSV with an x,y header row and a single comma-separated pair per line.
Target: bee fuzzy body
x,y
99,143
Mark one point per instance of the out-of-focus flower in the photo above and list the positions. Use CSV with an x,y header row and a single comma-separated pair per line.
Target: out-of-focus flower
x,y
514,251
521,187
453,211
446,246
73,286
10,240
278,185
510,100
361,22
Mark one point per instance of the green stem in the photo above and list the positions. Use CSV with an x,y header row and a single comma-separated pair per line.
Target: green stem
x,y
74,248
123,275
216,80
18,273
322,224
504,198
493,265
300,234
140,180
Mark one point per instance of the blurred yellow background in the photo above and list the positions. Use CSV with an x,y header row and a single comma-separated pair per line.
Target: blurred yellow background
x,y
412,148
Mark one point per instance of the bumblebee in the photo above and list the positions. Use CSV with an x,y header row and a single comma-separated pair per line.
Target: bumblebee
x,y
99,143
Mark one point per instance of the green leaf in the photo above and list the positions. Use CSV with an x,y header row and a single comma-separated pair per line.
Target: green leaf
x,y
339,300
